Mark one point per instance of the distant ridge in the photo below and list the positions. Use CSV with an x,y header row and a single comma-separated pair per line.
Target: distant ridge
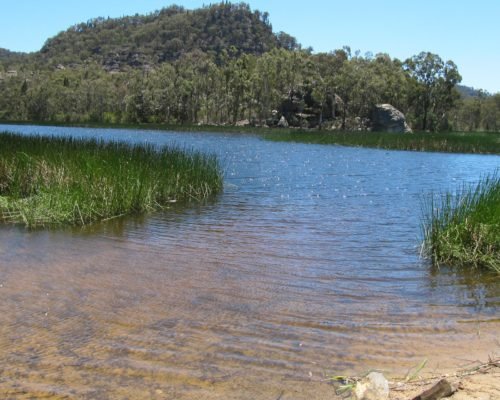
x,y
11,56
468,91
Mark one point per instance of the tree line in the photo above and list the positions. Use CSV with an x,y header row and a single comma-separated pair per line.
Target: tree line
x,y
477,113
198,88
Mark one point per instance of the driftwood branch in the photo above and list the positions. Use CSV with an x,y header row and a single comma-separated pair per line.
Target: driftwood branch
x,y
441,389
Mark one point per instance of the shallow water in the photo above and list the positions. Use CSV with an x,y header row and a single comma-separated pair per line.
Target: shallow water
x,y
308,264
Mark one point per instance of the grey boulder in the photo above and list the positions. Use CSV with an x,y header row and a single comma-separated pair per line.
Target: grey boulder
x,y
386,118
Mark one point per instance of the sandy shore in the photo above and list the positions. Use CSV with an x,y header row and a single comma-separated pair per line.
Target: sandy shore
x,y
474,382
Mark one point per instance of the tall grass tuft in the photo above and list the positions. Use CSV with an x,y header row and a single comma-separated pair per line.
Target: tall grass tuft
x,y
463,228
52,181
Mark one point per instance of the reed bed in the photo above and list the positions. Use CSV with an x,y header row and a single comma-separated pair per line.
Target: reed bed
x,y
53,181
463,228
452,142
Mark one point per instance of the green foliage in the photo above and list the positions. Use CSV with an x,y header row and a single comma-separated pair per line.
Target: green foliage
x,y
195,88
480,112
9,58
163,35
433,91
462,229
50,181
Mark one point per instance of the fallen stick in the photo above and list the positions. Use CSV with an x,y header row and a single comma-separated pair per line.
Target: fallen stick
x,y
441,389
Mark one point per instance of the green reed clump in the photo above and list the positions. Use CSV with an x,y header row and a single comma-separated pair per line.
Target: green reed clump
x,y
463,228
51,181
450,142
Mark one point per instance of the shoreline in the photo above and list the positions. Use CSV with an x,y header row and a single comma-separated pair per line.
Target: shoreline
x,y
478,380
487,143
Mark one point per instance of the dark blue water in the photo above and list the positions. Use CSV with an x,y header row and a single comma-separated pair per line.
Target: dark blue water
x,y
309,261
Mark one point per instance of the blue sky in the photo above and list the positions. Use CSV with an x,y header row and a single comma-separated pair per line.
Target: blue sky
x,y
465,31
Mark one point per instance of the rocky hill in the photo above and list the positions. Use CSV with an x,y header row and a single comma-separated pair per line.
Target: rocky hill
x,y
221,30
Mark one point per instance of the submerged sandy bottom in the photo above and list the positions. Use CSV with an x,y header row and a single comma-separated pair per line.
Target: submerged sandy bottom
x,y
111,319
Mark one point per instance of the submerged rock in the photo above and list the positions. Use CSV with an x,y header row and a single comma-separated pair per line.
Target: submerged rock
x,y
372,387
386,118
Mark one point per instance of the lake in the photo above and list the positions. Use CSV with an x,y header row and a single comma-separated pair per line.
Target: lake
x,y
306,266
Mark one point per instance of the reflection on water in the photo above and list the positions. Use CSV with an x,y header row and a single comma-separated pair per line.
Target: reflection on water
x,y
306,265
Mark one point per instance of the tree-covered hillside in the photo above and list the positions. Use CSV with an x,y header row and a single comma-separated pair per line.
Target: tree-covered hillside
x,y
10,57
164,35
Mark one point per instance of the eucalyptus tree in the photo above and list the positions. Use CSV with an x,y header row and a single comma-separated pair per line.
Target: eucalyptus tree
x,y
433,88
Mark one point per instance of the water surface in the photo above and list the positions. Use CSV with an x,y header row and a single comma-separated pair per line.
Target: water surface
x,y
307,265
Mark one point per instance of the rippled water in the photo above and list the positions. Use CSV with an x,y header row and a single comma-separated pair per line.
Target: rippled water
x,y
307,264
